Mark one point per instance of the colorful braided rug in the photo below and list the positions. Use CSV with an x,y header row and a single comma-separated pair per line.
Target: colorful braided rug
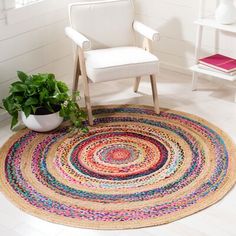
x,y
133,169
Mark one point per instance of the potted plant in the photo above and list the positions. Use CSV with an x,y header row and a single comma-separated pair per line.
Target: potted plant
x,y
43,103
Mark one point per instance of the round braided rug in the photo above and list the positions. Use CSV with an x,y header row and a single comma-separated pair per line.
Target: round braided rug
x,y
133,169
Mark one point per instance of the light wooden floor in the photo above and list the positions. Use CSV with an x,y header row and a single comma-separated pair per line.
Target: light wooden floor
x,y
214,102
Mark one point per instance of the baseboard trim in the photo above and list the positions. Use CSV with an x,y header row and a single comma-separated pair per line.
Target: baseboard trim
x,y
174,68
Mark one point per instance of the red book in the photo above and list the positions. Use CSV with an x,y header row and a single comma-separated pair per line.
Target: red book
x,y
219,62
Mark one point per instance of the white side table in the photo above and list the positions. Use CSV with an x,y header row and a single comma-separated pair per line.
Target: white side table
x,y
211,23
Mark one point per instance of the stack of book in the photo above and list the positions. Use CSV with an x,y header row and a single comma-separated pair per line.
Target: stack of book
x,y
218,63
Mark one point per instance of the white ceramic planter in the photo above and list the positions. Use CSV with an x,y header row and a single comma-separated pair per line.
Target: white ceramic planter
x,y
226,12
42,123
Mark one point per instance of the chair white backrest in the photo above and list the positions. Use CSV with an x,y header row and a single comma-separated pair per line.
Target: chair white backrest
x,y
106,23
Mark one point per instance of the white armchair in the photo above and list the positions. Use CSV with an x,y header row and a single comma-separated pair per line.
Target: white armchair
x,y
103,33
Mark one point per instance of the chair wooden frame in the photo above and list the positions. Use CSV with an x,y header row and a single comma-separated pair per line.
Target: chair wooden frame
x,y
81,44
153,78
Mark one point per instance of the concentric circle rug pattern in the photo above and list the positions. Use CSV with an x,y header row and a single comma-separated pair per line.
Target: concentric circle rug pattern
x,y
132,169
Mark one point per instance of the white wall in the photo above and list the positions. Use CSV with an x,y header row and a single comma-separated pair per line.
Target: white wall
x,y
174,19
37,43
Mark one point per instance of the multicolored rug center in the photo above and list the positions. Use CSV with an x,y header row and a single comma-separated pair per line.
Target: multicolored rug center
x,y
132,169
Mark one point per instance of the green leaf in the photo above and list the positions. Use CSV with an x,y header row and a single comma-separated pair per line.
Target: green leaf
x,y
18,87
51,82
62,112
76,94
49,107
59,97
43,95
84,129
51,77
34,109
63,88
14,119
32,90
31,101
22,76
39,79
9,105
27,111
19,99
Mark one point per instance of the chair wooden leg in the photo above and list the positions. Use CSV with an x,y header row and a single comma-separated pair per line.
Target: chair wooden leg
x,y
87,100
76,75
154,93
86,87
194,81
136,83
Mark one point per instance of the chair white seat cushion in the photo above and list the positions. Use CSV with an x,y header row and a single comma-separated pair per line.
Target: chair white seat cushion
x,y
118,63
